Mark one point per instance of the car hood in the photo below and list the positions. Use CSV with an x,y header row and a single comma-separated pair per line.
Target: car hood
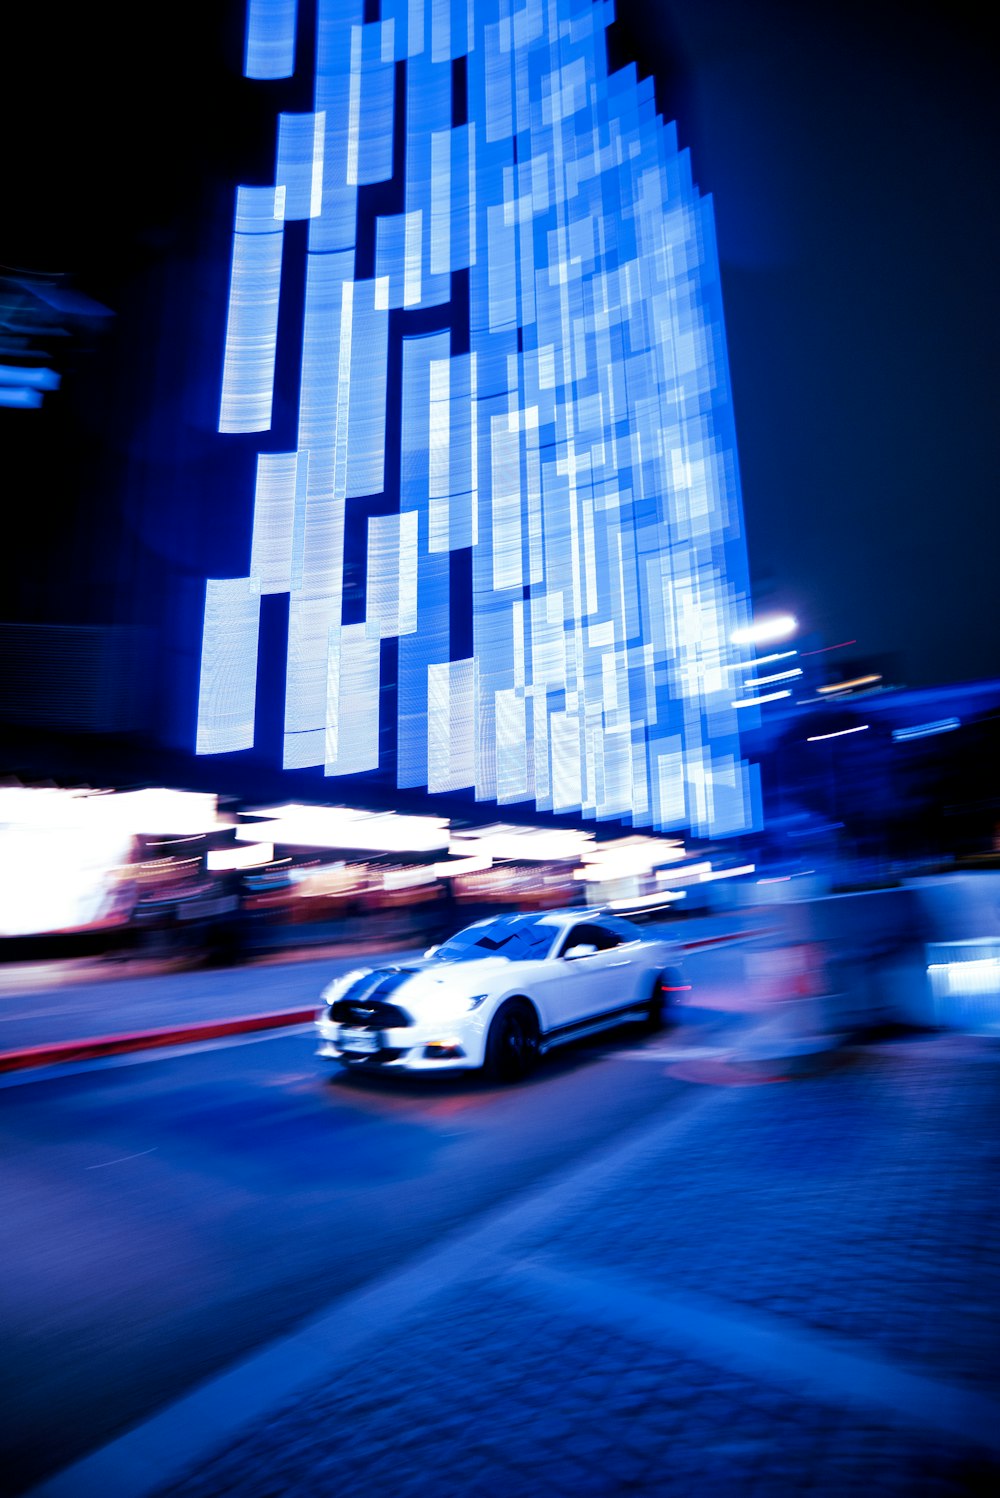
x,y
426,976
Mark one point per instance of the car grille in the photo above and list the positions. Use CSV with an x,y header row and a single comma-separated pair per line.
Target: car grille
x,y
365,1004
369,1016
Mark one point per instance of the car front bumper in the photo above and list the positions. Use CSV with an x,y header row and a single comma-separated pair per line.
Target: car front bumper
x,y
455,1045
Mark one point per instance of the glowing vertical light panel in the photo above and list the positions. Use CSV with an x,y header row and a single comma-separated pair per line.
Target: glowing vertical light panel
x,y
538,325
270,48
252,328
228,665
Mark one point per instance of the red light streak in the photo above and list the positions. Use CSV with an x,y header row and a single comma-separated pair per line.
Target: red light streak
x,y
824,648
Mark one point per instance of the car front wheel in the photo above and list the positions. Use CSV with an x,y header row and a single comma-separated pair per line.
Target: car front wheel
x,y
512,1042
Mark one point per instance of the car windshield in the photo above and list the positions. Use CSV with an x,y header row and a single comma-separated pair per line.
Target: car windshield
x,y
519,938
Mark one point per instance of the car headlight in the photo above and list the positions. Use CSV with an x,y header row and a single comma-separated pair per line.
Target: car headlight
x,y
442,1006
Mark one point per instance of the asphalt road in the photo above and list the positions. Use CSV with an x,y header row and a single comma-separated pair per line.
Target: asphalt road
x,y
164,1215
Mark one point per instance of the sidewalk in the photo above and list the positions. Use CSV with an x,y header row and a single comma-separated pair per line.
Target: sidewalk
x,y
766,1290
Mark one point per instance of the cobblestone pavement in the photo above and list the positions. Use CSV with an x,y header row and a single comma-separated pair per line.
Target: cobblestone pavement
x,y
799,1293
510,1398
865,1203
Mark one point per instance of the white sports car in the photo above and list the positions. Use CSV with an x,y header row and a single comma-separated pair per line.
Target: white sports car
x,y
499,994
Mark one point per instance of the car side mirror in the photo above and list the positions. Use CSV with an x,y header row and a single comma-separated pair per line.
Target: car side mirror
x,y
585,949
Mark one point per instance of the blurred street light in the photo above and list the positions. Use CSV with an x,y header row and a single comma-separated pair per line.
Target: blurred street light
x,y
766,630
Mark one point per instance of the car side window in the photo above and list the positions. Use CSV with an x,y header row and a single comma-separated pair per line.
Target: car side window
x,y
591,936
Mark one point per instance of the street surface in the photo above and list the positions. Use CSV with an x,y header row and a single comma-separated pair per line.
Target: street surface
x,y
163,1216
226,1269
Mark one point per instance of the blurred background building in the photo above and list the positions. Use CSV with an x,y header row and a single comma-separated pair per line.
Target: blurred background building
x,y
364,457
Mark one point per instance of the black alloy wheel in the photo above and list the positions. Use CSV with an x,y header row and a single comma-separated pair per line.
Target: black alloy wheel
x,y
659,999
512,1043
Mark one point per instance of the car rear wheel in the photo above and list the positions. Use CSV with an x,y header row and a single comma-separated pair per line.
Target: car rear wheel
x,y
512,1042
659,1002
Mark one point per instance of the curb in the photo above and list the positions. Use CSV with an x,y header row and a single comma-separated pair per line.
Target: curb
x,y
147,1040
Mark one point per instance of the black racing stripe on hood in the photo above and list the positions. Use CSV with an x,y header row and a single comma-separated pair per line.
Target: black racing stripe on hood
x,y
390,981
379,984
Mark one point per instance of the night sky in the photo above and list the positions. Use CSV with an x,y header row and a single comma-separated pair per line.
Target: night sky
x,y
851,153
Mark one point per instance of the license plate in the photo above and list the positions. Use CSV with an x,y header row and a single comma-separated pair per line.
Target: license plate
x,y
358,1040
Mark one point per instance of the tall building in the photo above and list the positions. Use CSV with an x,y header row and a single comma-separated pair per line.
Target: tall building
x,y
501,539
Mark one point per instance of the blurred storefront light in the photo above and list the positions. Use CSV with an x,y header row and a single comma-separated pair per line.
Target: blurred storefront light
x,y
249,857
343,827
456,867
689,874
540,844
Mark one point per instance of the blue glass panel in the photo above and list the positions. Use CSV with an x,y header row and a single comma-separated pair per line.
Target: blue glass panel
x,y
270,40
252,325
390,259
366,410
428,180
336,226
299,173
428,647
568,436
227,691
369,138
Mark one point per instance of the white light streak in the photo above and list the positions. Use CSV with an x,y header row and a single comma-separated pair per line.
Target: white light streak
x,y
815,738
763,631
759,681
763,660
767,697
458,866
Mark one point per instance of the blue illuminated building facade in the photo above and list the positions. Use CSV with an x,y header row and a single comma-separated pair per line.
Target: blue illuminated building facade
x,y
509,529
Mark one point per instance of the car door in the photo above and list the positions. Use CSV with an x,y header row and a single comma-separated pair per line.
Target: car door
x,y
604,981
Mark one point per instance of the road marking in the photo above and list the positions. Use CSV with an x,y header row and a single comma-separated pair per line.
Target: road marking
x,y
122,1158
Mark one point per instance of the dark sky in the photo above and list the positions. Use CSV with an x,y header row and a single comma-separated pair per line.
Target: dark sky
x,y
851,153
